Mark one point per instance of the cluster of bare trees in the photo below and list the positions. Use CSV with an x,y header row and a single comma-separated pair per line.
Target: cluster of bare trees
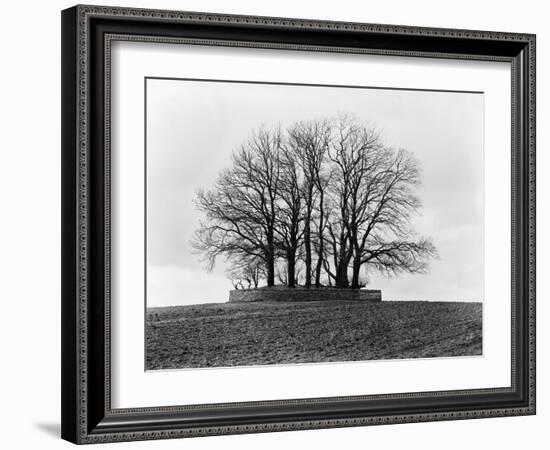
x,y
320,203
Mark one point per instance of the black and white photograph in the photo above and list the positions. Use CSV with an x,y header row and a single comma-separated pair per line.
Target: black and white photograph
x,y
293,223
280,220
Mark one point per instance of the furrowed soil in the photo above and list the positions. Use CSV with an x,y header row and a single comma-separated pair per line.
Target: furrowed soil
x,y
245,334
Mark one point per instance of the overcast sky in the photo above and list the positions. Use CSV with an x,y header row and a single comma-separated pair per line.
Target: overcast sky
x,y
193,127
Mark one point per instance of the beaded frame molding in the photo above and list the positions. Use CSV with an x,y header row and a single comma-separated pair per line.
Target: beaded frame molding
x,y
87,34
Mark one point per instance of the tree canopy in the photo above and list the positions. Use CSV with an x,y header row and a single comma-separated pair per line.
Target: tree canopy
x,y
324,202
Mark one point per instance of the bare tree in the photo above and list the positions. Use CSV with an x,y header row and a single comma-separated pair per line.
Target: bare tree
x,y
345,150
374,193
241,207
328,189
309,142
246,273
289,221
382,237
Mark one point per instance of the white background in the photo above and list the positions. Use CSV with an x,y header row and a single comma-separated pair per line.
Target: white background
x,y
133,387
30,189
444,131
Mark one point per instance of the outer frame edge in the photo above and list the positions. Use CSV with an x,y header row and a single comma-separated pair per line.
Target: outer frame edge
x,y
69,344
304,425
82,14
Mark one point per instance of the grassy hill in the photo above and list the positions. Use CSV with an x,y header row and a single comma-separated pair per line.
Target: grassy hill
x,y
244,334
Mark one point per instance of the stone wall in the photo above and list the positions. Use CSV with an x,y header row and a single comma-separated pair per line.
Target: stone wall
x,y
370,295
285,294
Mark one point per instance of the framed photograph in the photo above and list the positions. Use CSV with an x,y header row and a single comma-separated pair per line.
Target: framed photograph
x,y
277,224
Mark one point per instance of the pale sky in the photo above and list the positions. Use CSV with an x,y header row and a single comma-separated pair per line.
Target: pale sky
x,y
193,127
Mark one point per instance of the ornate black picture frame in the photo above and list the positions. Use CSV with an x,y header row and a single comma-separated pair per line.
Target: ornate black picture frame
x,y
87,414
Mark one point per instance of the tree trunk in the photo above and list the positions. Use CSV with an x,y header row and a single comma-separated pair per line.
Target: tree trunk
x,y
270,270
341,280
291,269
341,263
321,242
270,260
307,244
319,265
307,235
355,275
